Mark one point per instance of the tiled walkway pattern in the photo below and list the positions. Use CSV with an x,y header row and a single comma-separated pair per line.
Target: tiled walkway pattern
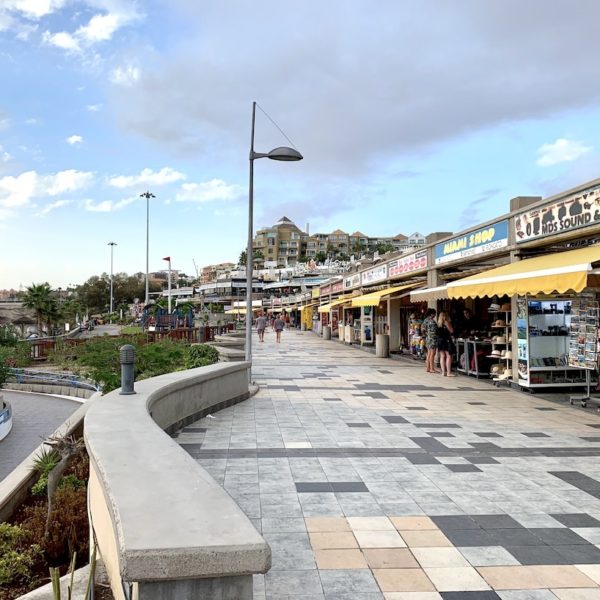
x,y
371,479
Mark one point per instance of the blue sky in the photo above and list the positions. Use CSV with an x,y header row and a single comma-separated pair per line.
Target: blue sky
x,y
412,115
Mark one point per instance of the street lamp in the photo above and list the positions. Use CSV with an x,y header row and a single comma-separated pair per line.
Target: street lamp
x,y
168,259
147,195
112,245
282,153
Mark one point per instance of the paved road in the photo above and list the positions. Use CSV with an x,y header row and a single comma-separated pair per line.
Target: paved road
x,y
371,479
100,330
35,416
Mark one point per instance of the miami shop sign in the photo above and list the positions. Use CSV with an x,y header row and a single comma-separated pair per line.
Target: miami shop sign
x,y
486,239
573,212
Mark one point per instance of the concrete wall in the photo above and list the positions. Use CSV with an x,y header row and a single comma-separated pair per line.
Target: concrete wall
x,y
163,525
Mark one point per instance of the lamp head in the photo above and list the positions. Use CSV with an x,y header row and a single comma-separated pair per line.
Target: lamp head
x,y
284,153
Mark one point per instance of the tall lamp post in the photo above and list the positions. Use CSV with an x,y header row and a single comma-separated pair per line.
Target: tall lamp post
x,y
168,259
147,195
282,153
112,246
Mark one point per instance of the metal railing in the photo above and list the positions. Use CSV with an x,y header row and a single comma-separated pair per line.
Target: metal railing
x,y
65,379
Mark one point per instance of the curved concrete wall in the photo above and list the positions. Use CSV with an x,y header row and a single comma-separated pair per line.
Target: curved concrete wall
x,y
164,527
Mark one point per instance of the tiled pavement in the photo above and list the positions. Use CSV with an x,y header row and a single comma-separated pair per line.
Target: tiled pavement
x,y
371,479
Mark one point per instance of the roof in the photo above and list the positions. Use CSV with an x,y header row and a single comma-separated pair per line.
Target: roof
x,y
358,234
338,232
284,219
401,236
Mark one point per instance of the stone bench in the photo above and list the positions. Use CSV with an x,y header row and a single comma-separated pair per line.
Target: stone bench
x,y
164,527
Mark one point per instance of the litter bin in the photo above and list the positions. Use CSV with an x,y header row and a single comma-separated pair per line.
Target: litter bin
x,y
326,332
382,345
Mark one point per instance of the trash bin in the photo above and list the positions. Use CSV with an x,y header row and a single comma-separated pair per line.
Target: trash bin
x,y
382,345
326,332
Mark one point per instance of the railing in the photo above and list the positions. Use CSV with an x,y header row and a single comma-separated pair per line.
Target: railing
x,y
64,379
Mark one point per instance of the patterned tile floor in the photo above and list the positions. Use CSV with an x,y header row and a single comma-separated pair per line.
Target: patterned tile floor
x,y
371,479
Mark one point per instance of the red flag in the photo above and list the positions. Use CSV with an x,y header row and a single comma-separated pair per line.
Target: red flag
x,y
167,258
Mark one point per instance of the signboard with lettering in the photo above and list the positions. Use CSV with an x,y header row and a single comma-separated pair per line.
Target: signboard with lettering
x,y
407,264
374,275
352,281
337,287
574,212
325,290
486,239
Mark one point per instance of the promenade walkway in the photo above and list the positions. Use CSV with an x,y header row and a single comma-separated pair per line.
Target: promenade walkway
x,y
35,417
371,479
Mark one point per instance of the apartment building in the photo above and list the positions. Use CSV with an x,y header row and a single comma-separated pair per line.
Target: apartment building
x,y
213,272
285,243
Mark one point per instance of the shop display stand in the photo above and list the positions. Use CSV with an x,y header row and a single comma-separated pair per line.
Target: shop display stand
x,y
504,331
584,345
469,350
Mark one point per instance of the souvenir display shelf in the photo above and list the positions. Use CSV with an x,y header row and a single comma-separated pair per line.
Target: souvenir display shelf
x,y
543,330
501,346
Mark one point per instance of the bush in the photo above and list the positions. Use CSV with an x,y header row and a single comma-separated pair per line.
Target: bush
x,y
18,559
201,355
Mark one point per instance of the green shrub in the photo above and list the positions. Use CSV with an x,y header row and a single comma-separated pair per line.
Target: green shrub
x,y
201,355
18,559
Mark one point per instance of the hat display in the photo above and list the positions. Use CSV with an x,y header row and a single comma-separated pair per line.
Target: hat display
x,y
503,354
495,353
500,339
505,307
499,323
507,374
494,308
497,369
508,355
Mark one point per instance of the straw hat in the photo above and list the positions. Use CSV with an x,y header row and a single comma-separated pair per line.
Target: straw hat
x,y
499,323
494,308
495,353
505,307
508,355
506,375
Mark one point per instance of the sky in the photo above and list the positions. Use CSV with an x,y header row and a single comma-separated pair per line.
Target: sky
x,y
411,115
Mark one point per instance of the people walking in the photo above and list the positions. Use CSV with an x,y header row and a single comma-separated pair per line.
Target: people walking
x,y
429,328
444,343
261,324
278,326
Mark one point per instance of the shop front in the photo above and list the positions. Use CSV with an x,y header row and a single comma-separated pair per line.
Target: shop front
x,y
551,341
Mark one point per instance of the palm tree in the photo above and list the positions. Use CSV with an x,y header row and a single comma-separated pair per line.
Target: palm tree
x,y
40,298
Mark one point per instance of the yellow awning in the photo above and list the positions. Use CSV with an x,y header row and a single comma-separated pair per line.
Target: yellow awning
x,y
308,306
324,308
434,293
342,300
559,272
236,311
374,298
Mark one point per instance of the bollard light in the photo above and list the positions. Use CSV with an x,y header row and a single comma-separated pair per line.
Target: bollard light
x,y
127,359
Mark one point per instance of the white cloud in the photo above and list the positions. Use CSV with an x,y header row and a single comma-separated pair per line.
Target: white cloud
x,y
74,139
34,9
62,40
4,155
127,75
209,191
32,121
562,150
104,206
52,206
93,107
147,177
100,27
5,214
20,190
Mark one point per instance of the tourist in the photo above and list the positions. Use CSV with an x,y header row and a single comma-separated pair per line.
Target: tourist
x,y
444,343
278,326
261,324
429,328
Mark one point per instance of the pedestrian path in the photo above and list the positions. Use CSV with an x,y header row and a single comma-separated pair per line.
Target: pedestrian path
x,y
35,417
372,479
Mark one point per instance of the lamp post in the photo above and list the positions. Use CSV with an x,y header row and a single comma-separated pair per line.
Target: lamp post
x,y
112,246
147,195
168,259
282,153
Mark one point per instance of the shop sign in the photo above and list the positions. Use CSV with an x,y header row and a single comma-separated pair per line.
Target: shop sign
x,y
486,239
352,281
374,275
574,212
337,287
407,264
325,290
276,302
